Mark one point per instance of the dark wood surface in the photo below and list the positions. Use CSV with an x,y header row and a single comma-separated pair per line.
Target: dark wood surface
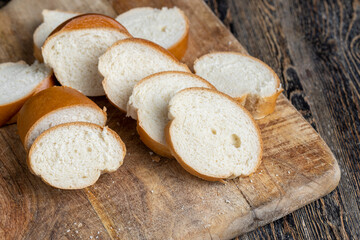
x,y
314,47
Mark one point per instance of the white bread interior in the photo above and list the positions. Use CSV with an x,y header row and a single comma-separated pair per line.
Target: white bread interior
x,y
74,57
149,100
212,136
19,80
242,77
130,60
73,155
64,115
165,26
51,19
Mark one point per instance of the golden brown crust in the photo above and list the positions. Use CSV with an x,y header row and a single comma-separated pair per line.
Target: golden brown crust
x,y
179,48
90,20
157,147
8,111
37,53
193,171
260,106
28,160
144,42
264,106
241,99
47,101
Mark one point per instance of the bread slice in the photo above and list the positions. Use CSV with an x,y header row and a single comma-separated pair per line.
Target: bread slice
x,y
73,49
73,155
51,19
167,27
245,78
19,81
212,136
130,60
148,104
55,106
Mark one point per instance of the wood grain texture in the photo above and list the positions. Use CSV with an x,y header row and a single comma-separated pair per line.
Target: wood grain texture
x,y
314,46
146,199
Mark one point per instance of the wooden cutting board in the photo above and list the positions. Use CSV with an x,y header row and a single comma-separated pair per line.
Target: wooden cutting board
x,y
146,199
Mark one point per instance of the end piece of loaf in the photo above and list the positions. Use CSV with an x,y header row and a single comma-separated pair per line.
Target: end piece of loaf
x,y
130,60
51,19
148,104
212,136
54,106
245,78
19,81
74,47
167,27
73,155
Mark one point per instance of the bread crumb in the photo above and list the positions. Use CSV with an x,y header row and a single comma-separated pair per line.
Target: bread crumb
x,y
152,191
288,172
227,201
91,237
80,225
251,180
151,153
76,231
155,158
104,109
276,175
113,181
68,230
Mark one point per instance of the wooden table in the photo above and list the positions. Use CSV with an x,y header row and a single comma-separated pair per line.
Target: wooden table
x,y
314,47
315,50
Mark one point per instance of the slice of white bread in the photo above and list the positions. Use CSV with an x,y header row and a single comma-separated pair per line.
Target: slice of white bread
x,y
167,27
73,49
20,81
73,155
130,60
54,106
212,136
148,104
51,19
245,78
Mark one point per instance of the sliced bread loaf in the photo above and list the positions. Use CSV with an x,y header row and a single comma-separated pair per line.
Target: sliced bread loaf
x,y
167,27
211,135
73,155
74,47
55,106
51,19
148,104
20,81
245,78
130,60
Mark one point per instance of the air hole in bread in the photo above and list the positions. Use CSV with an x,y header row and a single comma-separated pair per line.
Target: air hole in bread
x,y
235,140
